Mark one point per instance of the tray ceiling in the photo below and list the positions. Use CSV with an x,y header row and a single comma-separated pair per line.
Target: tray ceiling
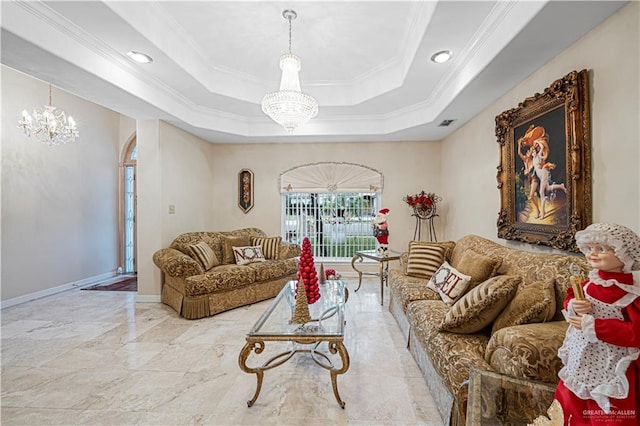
x,y
366,62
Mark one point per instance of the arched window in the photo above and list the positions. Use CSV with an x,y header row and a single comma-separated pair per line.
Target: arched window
x,y
333,204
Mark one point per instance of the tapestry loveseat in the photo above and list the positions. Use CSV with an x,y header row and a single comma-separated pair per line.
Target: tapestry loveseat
x,y
201,277
509,321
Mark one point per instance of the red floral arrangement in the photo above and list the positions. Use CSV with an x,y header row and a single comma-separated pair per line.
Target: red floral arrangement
x,y
422,199
331,274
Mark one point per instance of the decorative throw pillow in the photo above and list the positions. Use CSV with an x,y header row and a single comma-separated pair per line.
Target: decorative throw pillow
x,y
203,254
479,266
270,245
248,254
448,246
478,308
424,260
533,303
228,245
449,283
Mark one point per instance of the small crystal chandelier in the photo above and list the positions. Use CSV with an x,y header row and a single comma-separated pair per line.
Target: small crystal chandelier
x,y
49,125
289,107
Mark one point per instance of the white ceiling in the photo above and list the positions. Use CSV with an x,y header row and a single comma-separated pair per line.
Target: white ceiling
x,y
366,62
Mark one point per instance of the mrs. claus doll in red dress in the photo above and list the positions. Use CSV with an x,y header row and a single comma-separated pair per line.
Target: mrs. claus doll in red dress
x,y
601,374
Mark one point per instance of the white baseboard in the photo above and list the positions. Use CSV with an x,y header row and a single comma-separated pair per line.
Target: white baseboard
x,y
344,269
86,282
148,298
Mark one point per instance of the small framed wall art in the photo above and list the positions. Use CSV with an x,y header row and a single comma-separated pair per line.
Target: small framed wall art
x,y
245,190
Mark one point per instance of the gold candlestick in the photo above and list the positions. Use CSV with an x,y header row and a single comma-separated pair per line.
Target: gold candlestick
x,y
576,281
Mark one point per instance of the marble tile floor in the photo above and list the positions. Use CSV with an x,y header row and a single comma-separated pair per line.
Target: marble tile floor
x,y
100,358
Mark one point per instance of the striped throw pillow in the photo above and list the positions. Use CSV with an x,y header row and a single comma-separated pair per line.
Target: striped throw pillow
x,y
424,260
479,307
203,254
270,245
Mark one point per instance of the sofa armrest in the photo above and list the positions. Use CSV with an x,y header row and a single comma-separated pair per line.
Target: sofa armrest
x,y
404,258
288,250
528,351
176,264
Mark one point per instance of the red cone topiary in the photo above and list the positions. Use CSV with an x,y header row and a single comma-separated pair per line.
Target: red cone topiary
x,y
307,273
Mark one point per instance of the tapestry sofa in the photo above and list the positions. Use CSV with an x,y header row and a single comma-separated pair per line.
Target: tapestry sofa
x,y
508,322
201,277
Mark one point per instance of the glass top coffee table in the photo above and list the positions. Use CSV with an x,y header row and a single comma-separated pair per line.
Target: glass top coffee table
x,y
322,337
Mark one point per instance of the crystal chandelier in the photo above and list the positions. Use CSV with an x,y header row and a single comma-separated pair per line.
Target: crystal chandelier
x,y
49,125
289,107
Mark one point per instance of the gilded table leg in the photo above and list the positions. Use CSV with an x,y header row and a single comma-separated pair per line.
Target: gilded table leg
x,y
353,265
338,347
381,273
258,347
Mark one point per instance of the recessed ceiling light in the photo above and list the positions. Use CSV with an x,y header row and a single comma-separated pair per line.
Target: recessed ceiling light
x,y
141,58
441,56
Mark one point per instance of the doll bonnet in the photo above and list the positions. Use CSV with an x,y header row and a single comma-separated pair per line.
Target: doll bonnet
x,y
624,241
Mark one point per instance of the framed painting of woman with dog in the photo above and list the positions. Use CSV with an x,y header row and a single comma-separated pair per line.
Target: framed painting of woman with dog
x,y
544,175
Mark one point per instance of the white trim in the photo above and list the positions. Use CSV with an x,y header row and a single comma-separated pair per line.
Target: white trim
x,y
86,282
331,177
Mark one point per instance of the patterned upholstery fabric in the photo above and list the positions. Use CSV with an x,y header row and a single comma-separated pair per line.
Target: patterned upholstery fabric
x,y
214,239
478,266
229,243
225,277
287,251
176,264
406,289
273,270
195,293
451,353
527,351
270,245
532,303
531,266
478,308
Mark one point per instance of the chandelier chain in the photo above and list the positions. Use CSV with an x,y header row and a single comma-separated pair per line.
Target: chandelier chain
x,y
289,18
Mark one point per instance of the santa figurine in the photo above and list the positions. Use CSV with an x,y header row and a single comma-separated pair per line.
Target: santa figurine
x,y
381,231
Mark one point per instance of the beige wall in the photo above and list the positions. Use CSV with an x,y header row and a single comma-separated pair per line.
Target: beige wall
x,y
201,180
59,204
188,182
174,168
611,54
407,167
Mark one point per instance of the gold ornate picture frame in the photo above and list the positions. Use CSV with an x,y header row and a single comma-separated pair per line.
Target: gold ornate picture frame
x,y
245,190
544,175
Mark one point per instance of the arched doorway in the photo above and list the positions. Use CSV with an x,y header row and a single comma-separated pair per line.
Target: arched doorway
x,y
128,199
